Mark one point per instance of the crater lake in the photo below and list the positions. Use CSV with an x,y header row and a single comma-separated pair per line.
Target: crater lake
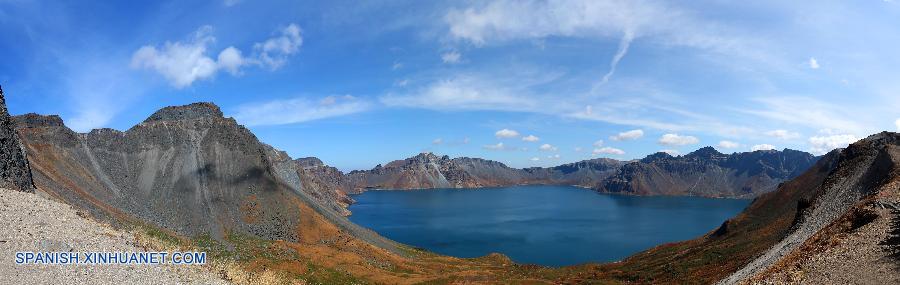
x,y
546,225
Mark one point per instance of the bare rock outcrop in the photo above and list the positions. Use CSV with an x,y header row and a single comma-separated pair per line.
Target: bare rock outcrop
x,y
14,170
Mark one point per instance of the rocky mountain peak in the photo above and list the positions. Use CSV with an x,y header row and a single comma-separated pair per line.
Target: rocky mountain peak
x,y
705,153
656,157
32,120
309,162
884,139
187,112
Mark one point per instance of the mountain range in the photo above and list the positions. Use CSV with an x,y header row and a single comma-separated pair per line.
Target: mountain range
x,y
705,172
204,181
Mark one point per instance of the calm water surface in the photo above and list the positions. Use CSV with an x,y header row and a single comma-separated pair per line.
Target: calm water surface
x,y
548,225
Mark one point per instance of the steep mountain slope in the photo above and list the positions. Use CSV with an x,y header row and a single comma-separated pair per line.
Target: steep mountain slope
x,y
14,170
867,174
186,169
706,172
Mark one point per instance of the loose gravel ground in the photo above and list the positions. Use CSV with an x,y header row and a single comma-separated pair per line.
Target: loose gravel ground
x,y
29,222
865,255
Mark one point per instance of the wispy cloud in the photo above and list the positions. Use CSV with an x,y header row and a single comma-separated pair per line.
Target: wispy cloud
x,y
807,112
501,21
99,88
462,93
450,57
297,110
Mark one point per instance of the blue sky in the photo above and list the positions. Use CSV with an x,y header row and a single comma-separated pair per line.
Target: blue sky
x,y
528,83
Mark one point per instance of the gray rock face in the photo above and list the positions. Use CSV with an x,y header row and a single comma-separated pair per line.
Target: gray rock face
x,y
706,172
187,112
14,170
187,169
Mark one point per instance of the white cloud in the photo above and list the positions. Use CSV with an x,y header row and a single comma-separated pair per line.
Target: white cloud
x,y
675,139
598,143
897,123
437,141
728,144
402,83
823,144
506,134
783,134
183,63
498,146
229,3
531,138
535,159
671,152
762,147
180,63
279,112
547,147
231,60
608,150
274,51
397,65
813,63
499,21
555,156
450,57
578,149
629,135
466,141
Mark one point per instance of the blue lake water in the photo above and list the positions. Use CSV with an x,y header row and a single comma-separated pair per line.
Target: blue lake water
x,y
548,225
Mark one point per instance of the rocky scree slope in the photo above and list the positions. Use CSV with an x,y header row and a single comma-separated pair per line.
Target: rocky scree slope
x,y
707,172
29,222
14,170
867,173
186,169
